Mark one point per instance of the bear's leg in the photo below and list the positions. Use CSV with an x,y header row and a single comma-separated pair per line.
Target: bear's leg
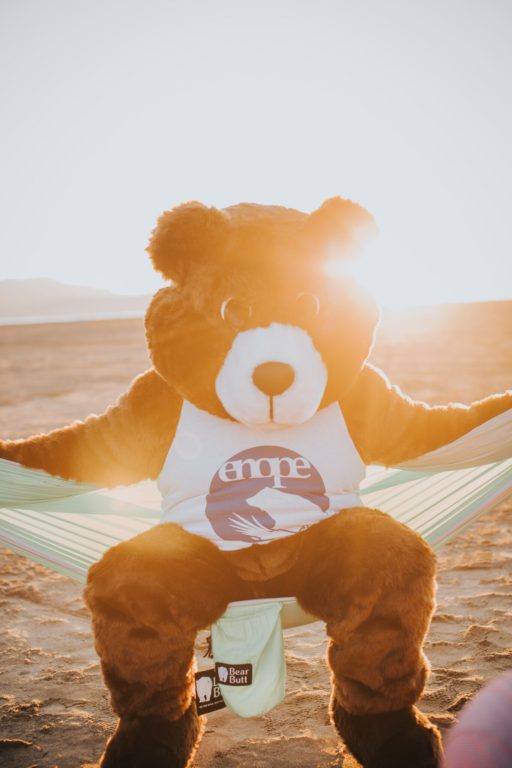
x,y
372,580
148,598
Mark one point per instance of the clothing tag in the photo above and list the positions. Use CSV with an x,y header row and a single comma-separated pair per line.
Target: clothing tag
x,y
208,695
233,674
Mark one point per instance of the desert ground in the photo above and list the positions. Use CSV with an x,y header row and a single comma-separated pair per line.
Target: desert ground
x,y
54,710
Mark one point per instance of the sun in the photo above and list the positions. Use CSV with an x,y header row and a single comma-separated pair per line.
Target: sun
x,y
387,285
396,281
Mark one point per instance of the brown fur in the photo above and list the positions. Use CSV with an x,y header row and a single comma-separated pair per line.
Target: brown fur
x,y
193,236
148,598
369,578
129,442
398,739
267,256
388,427
152,742
124,445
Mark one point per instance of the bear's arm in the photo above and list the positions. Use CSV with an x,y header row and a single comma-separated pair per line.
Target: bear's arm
x,y
125,444
388,427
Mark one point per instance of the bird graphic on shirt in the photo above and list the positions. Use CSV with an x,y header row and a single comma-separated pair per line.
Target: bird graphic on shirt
x,y
280,507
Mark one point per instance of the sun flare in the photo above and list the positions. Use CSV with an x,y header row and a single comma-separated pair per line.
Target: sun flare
x,y
376,275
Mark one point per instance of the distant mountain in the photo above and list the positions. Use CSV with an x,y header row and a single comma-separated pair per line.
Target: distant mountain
x,y
42,299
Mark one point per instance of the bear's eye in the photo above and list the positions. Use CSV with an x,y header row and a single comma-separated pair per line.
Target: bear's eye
x,y
308,305
236,312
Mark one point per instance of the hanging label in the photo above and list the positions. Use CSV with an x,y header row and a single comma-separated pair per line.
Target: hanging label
x,y
233,674
208,695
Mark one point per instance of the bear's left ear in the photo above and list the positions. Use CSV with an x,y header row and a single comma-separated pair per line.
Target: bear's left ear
x,y
186,236
342,225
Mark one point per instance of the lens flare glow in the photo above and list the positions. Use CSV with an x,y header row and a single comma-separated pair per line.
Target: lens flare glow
x,y
379,274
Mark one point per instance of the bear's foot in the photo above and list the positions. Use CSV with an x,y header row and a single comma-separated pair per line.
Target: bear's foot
x,y
401,739
153,742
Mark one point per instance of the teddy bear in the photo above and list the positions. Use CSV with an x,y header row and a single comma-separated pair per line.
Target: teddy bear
x,y
257,419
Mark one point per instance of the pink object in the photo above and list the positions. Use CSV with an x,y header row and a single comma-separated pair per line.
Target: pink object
x,y
482,738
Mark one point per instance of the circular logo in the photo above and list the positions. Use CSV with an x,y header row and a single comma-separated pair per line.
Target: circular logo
x,y
265,493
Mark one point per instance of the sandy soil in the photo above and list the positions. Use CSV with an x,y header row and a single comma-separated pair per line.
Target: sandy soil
x,y
54,710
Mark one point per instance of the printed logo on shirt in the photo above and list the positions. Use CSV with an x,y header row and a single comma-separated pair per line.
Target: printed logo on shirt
x,y
257,493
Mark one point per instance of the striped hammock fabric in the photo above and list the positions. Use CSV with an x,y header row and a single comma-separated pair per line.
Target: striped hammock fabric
x,y
67,526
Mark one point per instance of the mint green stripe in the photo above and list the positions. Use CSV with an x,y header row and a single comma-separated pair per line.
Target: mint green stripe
x,y
90,504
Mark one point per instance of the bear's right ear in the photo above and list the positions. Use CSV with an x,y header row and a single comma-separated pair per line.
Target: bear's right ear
x,y
186,236
343,224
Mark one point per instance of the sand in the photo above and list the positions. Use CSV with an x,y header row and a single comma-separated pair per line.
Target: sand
x,y
54,710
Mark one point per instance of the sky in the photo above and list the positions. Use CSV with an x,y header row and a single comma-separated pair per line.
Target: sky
x,y
114,110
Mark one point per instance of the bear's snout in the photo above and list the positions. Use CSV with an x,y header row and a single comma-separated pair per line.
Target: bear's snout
x,y
273,376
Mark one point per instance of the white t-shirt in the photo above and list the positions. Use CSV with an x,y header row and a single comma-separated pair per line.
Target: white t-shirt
x,y
238,486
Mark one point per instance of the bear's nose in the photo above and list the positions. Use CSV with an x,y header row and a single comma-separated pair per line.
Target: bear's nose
x,y
273,378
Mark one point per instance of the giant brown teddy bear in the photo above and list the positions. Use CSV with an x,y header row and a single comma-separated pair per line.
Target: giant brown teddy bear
x,y
257,418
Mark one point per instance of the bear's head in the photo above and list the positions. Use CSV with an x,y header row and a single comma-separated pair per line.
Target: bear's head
x,y
253,326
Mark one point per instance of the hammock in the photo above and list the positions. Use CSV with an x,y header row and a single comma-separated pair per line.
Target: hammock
x,y
67,526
